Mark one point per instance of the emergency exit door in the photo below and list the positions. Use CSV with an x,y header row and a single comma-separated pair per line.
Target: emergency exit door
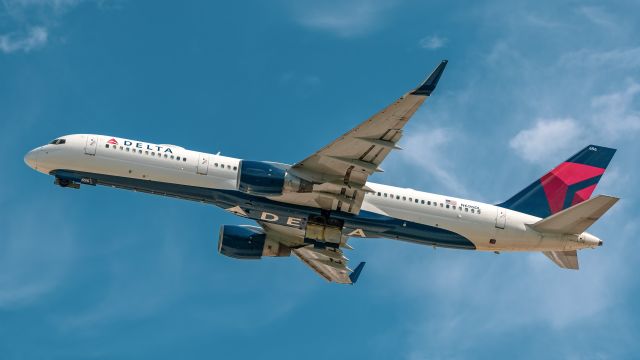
x,y
203,164
90,146
501,218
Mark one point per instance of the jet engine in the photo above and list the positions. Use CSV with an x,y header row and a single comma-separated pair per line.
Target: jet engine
x,y
248,242
269,179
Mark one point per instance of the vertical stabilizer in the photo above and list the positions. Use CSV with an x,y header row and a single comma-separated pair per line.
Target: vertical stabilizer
x,y
568,184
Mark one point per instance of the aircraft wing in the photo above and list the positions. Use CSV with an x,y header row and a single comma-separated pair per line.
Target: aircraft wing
x,y
564,259
341,168
328,262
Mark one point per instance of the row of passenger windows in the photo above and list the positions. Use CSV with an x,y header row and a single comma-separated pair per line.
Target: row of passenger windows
x,y
429,203
146,152
228,166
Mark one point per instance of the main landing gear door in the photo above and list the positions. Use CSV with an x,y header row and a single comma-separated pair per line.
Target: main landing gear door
x,y
203,164
90,146
501,218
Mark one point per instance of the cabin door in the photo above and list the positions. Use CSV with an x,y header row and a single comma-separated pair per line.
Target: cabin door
x,y
203,164
501,218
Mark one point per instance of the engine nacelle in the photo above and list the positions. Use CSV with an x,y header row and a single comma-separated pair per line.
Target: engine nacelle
x,y
269,179
248,242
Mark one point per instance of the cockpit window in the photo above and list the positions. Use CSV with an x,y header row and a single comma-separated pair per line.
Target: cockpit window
x,y
58,142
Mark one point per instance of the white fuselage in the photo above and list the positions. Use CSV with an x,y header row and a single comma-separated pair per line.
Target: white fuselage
x,y
487,226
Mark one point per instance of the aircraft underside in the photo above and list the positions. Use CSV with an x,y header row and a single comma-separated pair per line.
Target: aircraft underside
x,y
365,224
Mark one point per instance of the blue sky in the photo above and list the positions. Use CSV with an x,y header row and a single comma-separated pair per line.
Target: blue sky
x,y
103,274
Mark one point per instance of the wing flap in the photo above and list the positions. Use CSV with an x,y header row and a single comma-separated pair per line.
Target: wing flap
x,y
331,267
328,262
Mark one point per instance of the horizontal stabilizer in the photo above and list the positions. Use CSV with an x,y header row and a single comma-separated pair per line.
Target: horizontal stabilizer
x,y
576,219
564,259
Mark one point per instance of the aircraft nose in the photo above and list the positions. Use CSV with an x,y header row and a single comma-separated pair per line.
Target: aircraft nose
x,y
31,158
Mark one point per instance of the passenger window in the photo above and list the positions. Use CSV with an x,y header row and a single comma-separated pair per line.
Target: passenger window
x,y
378,194
166,156
428,202
397,197
178,158
478,211
473,211
121,148
228,167
441,205
404,198
106,145
235,168
146,152
417,201
216,164
184,159
466,209
454,208
139,151
128,149
385,194
447,206
422,202
171,157
153,153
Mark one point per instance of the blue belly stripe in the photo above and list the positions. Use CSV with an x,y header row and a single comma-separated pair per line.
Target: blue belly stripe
x,y
373,224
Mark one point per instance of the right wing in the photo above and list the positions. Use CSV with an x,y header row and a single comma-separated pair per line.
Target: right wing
x,y
328,262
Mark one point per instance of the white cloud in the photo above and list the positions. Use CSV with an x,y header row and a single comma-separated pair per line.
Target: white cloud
x,y
433,42
599,16
624,57
424,150
343,18
611,116
546,138
614,113
33,39
56,5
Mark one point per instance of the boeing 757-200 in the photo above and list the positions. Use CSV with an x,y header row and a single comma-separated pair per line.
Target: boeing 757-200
x,y
312,208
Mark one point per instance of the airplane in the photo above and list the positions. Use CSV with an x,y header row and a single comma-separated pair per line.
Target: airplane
x,y
312,208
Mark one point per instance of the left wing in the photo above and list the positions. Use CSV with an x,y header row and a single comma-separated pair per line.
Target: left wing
x,y
340,169
328,262
564,259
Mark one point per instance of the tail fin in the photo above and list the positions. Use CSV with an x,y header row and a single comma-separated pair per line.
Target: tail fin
x,y
569,183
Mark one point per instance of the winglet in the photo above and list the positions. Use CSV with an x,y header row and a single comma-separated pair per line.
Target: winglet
x,y
429,85
356,273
